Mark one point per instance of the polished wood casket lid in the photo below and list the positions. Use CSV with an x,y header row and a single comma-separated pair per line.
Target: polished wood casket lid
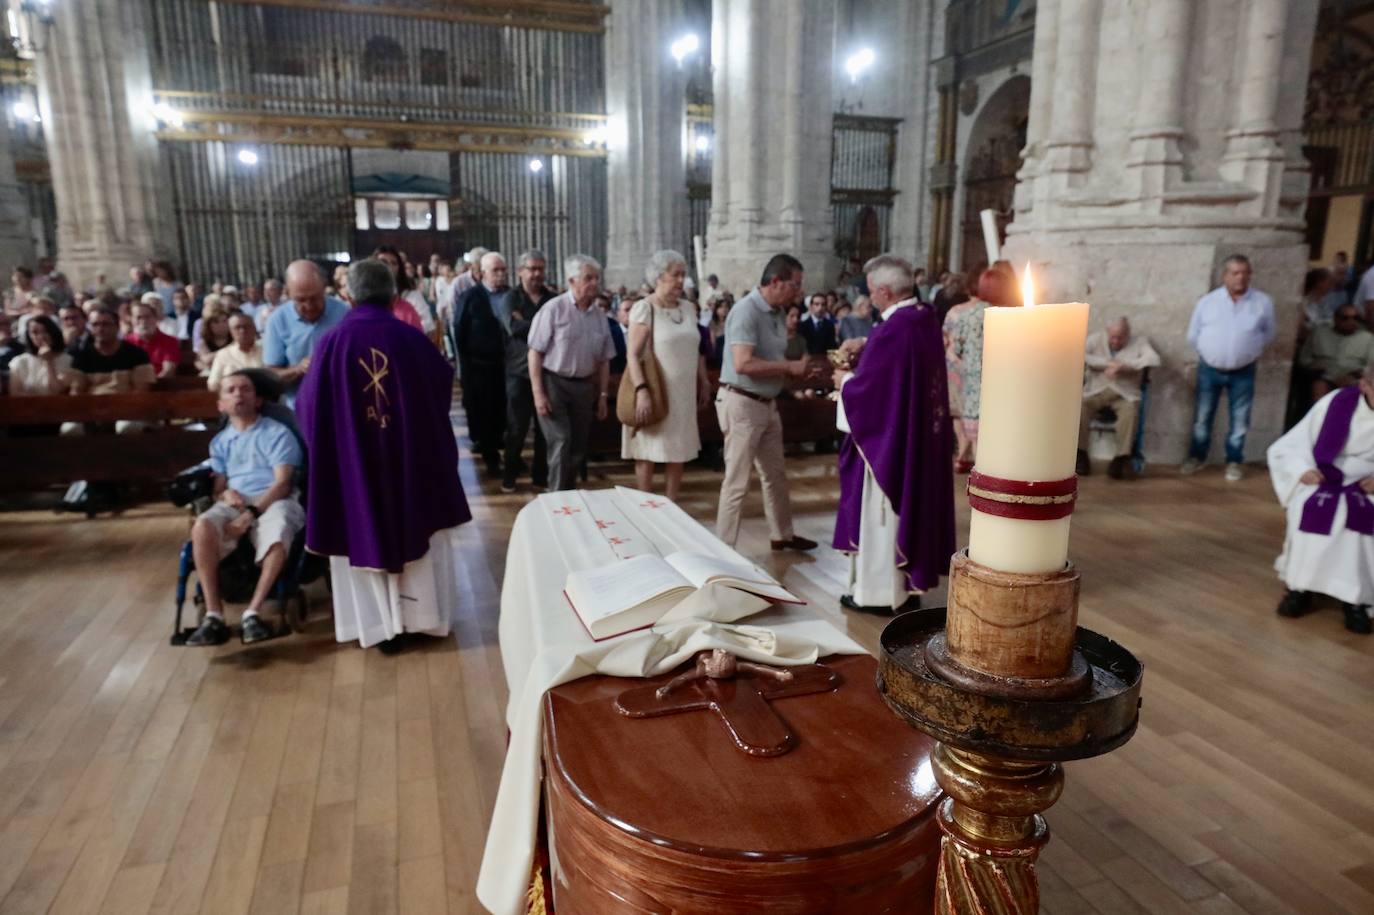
x,y
857,778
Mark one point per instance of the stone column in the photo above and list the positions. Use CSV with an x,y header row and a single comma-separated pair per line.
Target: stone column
x,y
1156,159
1253,156
646,167
16,225
95,92
944,172
770,181
1041,104
1070,136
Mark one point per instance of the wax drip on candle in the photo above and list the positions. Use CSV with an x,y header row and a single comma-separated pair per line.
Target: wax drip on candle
x,y
1027,288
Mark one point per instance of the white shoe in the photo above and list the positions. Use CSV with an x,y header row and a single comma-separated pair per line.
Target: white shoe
x,y
1234,473
1190,467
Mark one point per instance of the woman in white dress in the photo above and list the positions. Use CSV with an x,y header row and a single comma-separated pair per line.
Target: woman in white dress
x,y
677,342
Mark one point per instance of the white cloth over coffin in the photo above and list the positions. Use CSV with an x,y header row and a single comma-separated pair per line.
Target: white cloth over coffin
x,y
544,644
1339,564
371,605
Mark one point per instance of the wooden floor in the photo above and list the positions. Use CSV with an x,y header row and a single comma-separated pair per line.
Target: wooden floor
x,y
304,776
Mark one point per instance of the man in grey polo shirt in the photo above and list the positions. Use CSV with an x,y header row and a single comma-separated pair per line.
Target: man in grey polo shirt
x,y
570,352
752,376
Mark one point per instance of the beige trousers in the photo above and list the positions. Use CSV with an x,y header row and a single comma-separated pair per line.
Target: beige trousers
x,y
753,438
1125,411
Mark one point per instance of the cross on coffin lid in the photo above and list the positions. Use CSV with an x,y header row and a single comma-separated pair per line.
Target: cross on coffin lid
x,y
740,702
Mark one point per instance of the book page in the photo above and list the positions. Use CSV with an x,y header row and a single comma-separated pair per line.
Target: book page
x,y
604,592
701,570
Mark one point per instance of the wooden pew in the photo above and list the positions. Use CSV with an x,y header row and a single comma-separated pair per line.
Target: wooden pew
x,y
155,456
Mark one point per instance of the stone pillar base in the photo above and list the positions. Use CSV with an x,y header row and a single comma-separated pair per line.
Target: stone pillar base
x,y
1156,285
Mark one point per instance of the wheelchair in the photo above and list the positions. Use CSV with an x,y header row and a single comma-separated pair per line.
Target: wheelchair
x,y
193,488
238,576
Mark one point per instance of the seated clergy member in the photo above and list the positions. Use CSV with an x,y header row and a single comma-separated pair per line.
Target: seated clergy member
x,y
1323,472
255,460
1115,361
384,497
244,352
1335,354
896,511
164,350
295,328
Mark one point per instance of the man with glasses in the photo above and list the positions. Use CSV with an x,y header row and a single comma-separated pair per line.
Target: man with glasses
x,y
74,332
517,314
1336,354
752,375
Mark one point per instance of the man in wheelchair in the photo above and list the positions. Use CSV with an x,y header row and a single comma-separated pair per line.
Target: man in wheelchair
x,y
255,460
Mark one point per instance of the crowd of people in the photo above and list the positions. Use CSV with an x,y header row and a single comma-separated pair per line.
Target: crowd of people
x,y
533,357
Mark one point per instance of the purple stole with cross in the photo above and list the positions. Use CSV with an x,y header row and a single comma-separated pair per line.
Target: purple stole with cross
x,y
1319,513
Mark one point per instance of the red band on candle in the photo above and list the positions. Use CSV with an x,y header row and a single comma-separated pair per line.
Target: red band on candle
x,y
1024,500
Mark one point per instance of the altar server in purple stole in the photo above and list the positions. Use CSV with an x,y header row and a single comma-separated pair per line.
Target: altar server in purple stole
x,y
896,513
1323,473
384,501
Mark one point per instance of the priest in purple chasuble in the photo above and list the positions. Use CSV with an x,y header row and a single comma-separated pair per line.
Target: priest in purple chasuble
x,y
383,497
1323,473
896,512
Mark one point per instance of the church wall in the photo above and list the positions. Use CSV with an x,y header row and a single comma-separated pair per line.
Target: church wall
x,y
1135,214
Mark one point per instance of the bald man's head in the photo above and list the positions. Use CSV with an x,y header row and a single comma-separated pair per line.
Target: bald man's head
x,y
305,288
1118,334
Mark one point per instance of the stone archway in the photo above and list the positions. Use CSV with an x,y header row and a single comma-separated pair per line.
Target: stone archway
x,y
991,159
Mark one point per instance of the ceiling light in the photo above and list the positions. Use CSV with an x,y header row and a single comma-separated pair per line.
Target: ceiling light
x,y
685,45
859,61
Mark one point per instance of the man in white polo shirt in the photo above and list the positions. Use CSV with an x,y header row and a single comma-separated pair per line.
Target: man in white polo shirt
x,y
1230,328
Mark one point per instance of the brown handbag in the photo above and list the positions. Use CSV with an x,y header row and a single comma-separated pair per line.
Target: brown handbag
x,y
653,377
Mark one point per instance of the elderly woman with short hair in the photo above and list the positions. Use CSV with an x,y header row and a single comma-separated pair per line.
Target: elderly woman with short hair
x,y
664,324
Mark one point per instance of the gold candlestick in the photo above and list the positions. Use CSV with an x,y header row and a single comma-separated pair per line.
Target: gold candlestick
x,y
1010,686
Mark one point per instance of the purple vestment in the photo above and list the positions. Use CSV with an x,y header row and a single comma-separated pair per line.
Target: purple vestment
x,y
1319,512
383,462
897,405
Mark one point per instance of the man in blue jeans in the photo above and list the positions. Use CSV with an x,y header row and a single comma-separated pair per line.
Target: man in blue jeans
x,y
1230,328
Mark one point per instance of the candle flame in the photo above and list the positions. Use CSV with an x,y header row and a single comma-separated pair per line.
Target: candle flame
x,y
1027,288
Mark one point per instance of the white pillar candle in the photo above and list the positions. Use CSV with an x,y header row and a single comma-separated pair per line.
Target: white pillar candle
x,y
1032,398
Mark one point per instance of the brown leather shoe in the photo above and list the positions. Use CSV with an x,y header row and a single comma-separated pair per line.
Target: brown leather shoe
x,y
796,543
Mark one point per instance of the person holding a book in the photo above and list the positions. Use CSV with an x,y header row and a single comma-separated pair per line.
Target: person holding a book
x,y
663,326
896,512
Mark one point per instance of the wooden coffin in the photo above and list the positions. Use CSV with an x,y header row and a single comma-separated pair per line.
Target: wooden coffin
x,y
667,815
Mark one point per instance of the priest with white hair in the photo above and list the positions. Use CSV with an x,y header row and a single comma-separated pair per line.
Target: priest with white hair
x,y
1323,473
896,511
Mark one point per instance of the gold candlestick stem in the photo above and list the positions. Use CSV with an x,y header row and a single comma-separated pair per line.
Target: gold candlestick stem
x,y
1010,687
